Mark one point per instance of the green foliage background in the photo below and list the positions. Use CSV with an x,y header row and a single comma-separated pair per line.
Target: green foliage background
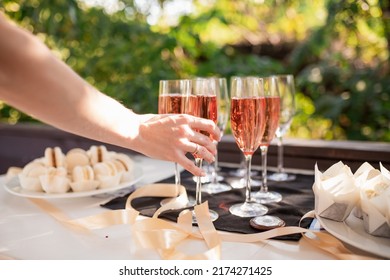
x,y
338,51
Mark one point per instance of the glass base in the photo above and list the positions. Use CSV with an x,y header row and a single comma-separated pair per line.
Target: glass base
x,y
266,197
207,179
241,183
248,209
281,177
213,216
212,188
190,203
241,172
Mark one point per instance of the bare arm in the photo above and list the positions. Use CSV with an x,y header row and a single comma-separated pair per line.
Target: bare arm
x,y
33,80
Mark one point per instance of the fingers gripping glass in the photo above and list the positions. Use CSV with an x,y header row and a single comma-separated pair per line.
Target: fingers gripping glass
x,y
202,103
172,100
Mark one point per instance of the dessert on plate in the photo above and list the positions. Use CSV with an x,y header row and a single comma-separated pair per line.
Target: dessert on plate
x,y
77,170
374,201
335,192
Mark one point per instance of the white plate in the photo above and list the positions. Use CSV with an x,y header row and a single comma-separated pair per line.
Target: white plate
x,y
352,232
14,188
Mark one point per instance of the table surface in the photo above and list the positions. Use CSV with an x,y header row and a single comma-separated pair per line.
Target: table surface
x,y
27,232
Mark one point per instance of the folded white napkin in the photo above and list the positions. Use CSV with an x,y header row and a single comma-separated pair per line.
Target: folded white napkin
x,y
360,179
335,192
375,202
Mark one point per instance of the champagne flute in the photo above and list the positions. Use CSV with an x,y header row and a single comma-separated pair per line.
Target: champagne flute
x,y
271,123
223,107
202,103
172,100
285,84
247,117
240,172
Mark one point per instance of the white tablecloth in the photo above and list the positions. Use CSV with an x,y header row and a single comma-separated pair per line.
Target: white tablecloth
x,y
27,232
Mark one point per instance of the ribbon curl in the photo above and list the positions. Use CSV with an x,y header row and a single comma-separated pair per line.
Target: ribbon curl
x,y
165,236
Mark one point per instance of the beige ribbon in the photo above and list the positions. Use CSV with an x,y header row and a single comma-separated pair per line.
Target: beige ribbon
x,y
165,236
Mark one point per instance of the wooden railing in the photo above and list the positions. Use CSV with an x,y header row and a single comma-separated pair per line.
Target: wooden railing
x,y
22,143
304,154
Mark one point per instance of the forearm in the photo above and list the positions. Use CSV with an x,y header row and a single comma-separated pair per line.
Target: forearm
x,y
35,81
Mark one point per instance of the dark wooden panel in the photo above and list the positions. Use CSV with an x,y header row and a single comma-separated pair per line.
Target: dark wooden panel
x,y
21,143
304,154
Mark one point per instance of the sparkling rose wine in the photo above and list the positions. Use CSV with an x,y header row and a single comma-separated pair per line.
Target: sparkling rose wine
x,y
203,106
247,118
170,103
272,111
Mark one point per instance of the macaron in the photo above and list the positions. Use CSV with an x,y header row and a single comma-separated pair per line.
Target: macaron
x,y
83,173
54,157
107,174
98,154
125,165
106,168
12,172
55,181
122,162
30,174
76,157
34,169
83,179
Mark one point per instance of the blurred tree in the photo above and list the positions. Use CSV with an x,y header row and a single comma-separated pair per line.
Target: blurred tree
x,y
344,68
111,51
338,51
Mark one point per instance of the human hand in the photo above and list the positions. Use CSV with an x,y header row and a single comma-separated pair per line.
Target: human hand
x,y
170,137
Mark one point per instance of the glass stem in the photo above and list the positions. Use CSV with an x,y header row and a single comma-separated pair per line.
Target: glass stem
x,y
198,197
242,166
248,166
264,186
214,175
177,174
280,154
